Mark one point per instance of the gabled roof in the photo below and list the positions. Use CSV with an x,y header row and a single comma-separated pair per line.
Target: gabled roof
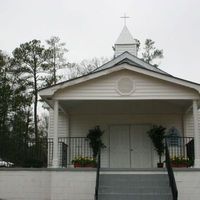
x,y
132,60
134,64
125,37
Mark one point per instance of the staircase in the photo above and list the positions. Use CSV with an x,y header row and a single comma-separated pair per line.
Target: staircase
x,y
134,187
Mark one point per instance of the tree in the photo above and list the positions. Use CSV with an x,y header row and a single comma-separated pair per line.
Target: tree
x,y
21,102
43,124
85,66
15,110
56,59
151,53
5,93
15,102
30,61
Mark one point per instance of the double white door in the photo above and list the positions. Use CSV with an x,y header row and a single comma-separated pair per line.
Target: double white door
x,y
130,146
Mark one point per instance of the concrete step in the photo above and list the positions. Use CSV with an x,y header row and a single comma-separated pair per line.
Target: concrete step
x,y
134,180
140,177
134,187
126,189
135,197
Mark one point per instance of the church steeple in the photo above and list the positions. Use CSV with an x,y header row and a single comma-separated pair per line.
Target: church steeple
x,y
125,42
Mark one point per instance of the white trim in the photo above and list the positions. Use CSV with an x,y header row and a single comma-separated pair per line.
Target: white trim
x,y
125,98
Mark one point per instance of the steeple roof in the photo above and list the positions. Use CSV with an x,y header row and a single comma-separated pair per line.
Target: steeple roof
x,y
125,37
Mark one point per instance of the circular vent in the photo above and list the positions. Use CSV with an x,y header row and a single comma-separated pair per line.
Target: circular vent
x,y
125,86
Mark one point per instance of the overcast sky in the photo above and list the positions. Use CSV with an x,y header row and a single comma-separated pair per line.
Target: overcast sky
x,y
90,27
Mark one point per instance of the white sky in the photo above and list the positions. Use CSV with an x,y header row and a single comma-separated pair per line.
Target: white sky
x,y
90,27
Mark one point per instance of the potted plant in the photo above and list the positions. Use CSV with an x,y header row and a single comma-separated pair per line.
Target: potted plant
x,y
157,135
180,161
94,137
84,162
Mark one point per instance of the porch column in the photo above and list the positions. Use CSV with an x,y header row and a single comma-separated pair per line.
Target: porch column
x,y
196,135
55,138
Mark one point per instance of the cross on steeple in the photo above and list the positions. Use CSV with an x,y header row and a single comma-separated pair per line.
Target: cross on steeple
x,y
125,17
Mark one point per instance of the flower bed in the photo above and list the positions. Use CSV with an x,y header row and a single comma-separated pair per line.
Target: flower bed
x,y
84,162
180,161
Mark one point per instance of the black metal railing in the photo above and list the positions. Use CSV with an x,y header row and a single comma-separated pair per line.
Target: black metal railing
x,y
97,175
170,173
181,149
20,153
71,147
30,153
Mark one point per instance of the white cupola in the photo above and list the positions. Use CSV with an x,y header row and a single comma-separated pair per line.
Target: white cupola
x,y
126,42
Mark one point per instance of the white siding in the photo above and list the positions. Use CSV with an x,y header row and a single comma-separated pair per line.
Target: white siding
x,y
146,87
189,124
62,125
132,49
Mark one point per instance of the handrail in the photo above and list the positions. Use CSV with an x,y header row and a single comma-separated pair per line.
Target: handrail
x,y
97,174
172,180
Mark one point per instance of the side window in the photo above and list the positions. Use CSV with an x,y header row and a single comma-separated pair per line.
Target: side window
x,y
173,137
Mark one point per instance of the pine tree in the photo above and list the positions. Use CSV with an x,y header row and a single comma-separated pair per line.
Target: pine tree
x,y
151,53
30,61
56,59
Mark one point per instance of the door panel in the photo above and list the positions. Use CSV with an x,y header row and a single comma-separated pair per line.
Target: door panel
x,y
119,146
141,148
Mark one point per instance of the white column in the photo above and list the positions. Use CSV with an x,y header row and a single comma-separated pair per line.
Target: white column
x,y
55,138
196,136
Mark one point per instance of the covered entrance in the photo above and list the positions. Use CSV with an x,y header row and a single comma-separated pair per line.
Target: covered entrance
x,y
130,146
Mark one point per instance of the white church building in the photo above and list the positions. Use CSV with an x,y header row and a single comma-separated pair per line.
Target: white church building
x,y
125,97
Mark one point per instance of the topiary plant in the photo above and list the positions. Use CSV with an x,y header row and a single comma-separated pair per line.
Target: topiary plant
x,y
94,137
157,135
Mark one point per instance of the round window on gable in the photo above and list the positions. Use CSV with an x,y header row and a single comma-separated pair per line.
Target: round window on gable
x,y
125,86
